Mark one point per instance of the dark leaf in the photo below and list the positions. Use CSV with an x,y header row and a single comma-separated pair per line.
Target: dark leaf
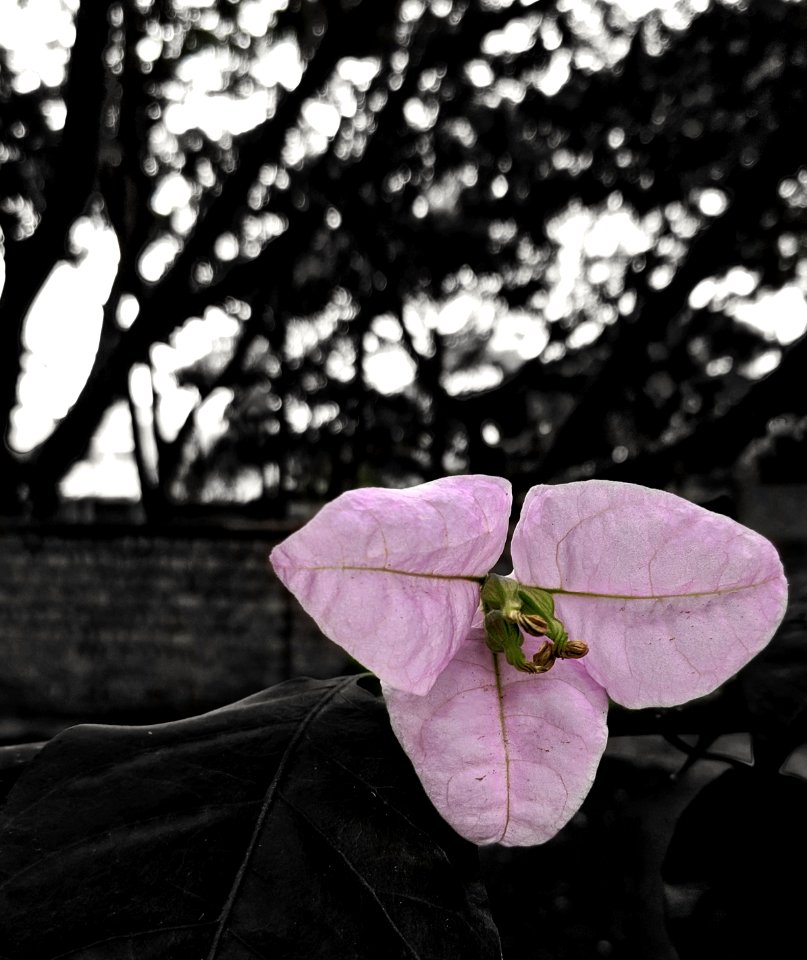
x,y
13,760
775,683
733,874
287,825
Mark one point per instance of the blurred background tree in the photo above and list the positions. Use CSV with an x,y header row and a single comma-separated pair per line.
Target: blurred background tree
x,y
342,241
258,252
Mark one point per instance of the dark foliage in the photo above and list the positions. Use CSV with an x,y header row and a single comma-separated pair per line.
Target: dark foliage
x,y
554,217
287,825
727,885
453,155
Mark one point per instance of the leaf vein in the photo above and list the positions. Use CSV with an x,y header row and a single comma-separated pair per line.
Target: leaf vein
x,y
271,793
559,591
352,869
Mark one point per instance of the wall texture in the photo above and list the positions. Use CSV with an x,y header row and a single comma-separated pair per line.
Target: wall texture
x,y
105,619
115,624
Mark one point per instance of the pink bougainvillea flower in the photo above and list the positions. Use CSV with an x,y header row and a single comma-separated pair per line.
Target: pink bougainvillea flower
x,y
624,592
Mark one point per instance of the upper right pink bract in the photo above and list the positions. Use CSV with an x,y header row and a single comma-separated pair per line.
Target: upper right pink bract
x,y
671,598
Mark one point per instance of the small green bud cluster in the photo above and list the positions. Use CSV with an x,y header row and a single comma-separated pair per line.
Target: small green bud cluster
x,y
511,607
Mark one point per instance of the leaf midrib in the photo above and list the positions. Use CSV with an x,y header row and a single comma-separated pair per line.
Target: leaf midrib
x,y
560,591
400,573
555,591
268,802
505,742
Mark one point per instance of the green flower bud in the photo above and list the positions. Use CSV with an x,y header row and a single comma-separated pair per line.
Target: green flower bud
x,y
500,632
571,650
544,657
511,607
500,593
535,601
533,624
503,636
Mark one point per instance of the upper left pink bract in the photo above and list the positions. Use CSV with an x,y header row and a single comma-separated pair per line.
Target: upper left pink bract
x,y
388,574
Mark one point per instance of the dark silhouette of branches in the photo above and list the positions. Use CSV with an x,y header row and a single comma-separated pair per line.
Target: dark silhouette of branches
x,y
67,188
484,134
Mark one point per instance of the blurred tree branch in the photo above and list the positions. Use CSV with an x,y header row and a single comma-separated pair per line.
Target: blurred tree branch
x,y
67,193
451,174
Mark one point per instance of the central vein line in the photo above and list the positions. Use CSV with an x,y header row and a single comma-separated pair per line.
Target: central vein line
x,y
505,742
555,591
559,591
402,573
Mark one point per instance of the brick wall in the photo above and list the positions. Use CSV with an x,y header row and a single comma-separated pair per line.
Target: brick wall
x,y
103,619
114,624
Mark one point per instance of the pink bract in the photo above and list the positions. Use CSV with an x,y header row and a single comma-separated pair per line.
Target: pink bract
x,y
392,575
671,599
505,757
